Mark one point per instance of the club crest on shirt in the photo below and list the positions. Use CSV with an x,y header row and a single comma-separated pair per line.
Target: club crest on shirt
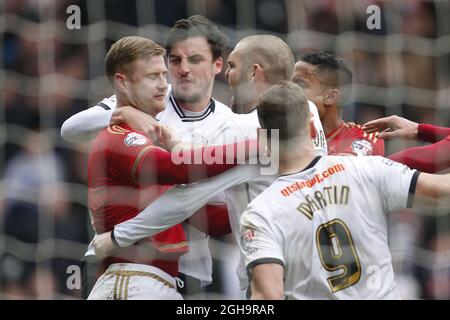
x,y
247,237
135,139
362,147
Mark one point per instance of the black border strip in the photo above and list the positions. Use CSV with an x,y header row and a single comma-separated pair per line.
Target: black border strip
x,y
412,189
113,239
104,106
254,263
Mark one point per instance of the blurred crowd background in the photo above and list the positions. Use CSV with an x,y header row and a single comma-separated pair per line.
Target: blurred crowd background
x,y
48,73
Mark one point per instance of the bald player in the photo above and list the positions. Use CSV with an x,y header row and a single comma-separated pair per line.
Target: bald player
x,y
257,63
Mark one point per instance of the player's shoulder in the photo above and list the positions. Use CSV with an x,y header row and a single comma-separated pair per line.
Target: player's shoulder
x,y
114,132
273,199
360,166
333,159
221,108
261,209
361,142
247,121
111,134
124,136
244,126
355,130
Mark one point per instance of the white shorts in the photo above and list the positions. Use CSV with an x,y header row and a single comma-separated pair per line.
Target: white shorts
x,y
132,281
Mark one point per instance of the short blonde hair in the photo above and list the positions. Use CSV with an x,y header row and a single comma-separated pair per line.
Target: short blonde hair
x,y
127,50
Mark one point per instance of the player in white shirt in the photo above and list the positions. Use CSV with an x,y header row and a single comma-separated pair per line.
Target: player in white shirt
x,y
320,230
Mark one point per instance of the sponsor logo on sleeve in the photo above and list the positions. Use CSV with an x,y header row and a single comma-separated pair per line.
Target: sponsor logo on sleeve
x,y
390,163
362,147
135,139
247,237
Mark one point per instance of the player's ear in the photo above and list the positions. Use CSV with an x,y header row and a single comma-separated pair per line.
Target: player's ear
x,y
218,65
120,82
332,96
257,72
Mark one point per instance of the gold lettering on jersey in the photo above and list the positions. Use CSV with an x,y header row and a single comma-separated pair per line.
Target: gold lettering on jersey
x,y
318,178
321,199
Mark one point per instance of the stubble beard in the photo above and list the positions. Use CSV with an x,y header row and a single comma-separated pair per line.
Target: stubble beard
x,y
188,97
238,101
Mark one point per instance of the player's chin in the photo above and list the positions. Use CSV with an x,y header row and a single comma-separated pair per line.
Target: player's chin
x,y
160,105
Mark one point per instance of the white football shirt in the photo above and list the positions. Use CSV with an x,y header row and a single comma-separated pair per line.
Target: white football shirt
x,y
327,226
238,197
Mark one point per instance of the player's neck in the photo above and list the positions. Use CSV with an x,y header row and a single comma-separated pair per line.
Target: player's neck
x,y
297,158
122,101
196,106
249,104
247,107
331,120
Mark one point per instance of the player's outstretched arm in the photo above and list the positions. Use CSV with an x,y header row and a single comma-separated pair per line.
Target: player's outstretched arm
x,y
392,127
85,125
432,187
158,166
430,133
211,219
267,282
431,158
172,207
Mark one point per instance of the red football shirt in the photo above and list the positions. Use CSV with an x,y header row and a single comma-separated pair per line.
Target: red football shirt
x,y
350,140
115,195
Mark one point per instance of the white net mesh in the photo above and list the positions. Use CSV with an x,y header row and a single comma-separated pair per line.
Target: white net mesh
x,y
49,72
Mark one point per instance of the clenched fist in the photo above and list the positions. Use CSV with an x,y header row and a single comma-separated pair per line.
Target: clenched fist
x,y
103,245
